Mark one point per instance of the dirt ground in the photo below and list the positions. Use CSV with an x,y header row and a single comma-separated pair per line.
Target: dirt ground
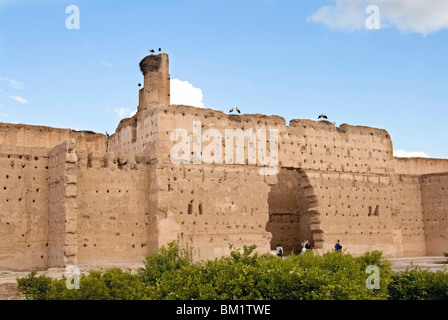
x,y
425,263
8,283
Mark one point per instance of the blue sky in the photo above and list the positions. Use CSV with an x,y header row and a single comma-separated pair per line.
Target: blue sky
x,y
291,58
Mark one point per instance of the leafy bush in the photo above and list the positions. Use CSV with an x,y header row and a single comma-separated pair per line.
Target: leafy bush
x,y
33,287
113,284
169,273
418,284
165,259
246,275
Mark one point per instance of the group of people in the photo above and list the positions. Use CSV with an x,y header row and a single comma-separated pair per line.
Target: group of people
x,y
306,245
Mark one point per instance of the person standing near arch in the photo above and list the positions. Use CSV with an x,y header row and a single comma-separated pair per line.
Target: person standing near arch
x,y
279,251
338,247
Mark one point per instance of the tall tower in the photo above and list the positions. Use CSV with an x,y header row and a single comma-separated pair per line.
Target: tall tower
x,y
156,88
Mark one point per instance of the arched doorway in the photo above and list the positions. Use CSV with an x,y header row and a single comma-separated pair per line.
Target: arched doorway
x,y
289,217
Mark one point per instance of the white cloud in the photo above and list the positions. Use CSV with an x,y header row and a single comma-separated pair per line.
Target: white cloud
x,y
418,16
13,83
183,92
107,64
412,154
346,14
19,99
124,112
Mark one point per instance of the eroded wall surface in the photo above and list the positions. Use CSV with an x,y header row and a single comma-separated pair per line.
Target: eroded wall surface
x,y
211,204
77,197
435,207
348,189
24,207
38,174
113,211
349,169
347,182
407,215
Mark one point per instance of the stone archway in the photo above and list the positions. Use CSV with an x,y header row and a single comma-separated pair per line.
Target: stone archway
x,y
289,211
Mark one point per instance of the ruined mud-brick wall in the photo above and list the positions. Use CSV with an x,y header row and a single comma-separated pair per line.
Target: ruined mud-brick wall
x,y
47,137
62,218
98,207
207,206
112,209
136,138
435,208
76,197
420,166
72,202
29,172
212,205
333,183
419,221
24,207
361,194
407,215
349,171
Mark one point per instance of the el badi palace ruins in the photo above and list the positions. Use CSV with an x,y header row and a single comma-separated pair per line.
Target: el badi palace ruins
x,y
79,197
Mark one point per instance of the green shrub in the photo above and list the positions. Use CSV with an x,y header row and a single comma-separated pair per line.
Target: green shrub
x,y
169,273
246,275
211,280
418,284
36,288
165,259
113,284
123,285
336,276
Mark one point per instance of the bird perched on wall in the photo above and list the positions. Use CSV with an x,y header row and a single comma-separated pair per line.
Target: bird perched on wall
x,y
152,51
322,116
231,110
238,110
160,50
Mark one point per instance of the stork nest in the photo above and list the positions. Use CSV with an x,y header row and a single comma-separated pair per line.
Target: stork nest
x,y
150,63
